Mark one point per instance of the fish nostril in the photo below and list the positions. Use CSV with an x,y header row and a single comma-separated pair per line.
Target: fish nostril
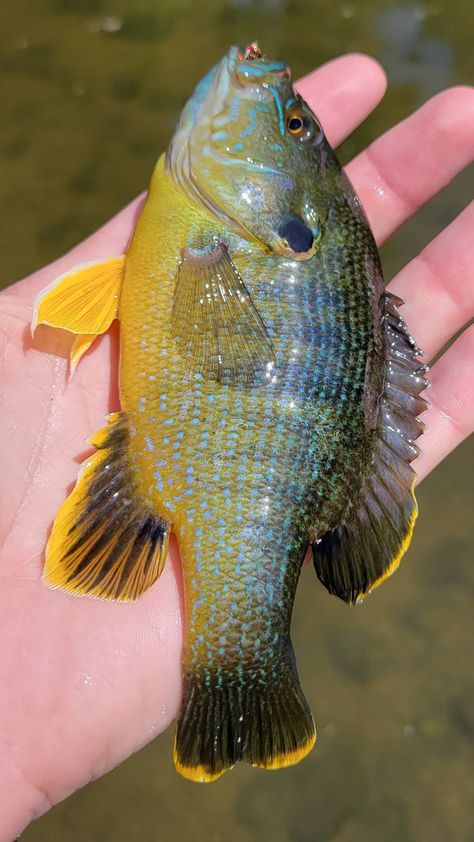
x,y
297,234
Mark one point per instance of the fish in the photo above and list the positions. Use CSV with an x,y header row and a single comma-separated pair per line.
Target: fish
x,y
269,393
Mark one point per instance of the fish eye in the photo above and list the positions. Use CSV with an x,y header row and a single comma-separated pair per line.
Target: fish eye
x,y
295,124
303,126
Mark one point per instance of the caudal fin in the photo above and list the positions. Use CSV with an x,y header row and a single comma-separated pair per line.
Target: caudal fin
x,y
225,719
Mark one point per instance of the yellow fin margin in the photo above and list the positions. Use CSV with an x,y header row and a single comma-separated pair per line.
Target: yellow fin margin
x,y
395,563
290,758
83,301
106,542
198,774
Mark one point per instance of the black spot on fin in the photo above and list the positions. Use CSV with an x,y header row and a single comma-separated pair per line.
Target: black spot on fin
x,y
215,322
106,542
367,545
230,718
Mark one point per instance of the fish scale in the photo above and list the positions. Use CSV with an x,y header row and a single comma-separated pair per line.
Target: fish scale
x,y
270,462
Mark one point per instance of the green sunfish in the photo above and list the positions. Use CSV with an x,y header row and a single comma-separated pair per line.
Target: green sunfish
x,y
269,398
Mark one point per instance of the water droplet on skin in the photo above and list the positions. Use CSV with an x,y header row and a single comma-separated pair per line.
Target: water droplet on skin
x,y
157,723
85,682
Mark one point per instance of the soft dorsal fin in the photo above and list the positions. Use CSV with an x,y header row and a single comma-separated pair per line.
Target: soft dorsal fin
x,y
366,546
83,301
215,322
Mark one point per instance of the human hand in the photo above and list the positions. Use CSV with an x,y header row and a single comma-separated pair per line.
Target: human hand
x,y
85,683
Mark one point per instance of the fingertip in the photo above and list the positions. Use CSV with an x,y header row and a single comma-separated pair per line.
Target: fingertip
x,y
343,92
458,96
344,69
370,67
452,110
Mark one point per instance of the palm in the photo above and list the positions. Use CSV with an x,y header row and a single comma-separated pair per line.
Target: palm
x,y
86,683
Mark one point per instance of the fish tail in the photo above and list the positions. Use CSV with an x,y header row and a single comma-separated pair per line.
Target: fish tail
x,y
227,716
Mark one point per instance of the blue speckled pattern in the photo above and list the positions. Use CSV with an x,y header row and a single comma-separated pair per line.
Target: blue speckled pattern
x,y
249,472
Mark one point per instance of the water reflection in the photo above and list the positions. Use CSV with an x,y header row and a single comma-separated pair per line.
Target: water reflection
x,y
267,5
410,55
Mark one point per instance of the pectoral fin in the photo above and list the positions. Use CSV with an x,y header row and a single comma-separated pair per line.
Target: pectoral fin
x,y
367,545
106,541
83,301
215,322
79,348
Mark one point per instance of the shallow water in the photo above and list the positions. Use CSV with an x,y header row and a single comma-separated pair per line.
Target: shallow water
x,y
93,89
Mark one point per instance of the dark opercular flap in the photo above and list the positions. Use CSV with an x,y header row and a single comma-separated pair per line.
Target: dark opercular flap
x,y
297,234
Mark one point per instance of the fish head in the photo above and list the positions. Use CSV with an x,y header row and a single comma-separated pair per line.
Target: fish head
x,y
249,148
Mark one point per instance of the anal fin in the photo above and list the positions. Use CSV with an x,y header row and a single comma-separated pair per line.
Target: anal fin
x,y
106,541
366,546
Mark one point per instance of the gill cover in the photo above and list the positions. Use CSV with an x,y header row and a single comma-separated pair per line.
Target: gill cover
x,y
249,149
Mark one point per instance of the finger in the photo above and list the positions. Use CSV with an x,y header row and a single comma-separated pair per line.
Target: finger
x,y
344,92
451,416
412,162
438,285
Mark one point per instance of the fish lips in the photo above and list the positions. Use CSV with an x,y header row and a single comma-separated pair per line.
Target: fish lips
x,y
252,73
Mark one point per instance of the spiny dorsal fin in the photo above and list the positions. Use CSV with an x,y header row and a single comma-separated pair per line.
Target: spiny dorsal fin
x,y
215,322
106,542
357,555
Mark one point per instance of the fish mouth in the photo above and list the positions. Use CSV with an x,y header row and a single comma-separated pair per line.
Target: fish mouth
x,y
245,73
250,52
251,72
